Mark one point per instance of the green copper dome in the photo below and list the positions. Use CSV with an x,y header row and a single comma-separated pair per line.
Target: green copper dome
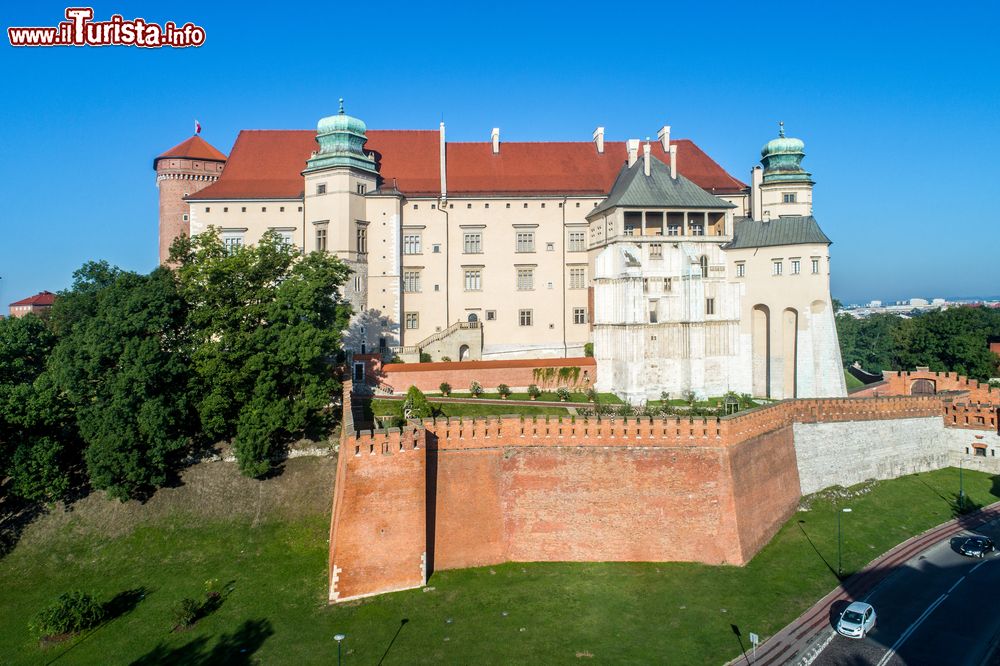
x,y
782,159
341,140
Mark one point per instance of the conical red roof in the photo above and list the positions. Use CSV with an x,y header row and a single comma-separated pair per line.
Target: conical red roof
x,y
193,148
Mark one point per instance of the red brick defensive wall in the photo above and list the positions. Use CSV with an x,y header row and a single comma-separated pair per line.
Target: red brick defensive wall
x,y
578,373
454,493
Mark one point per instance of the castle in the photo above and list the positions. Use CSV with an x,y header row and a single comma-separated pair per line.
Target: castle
x,y
683,278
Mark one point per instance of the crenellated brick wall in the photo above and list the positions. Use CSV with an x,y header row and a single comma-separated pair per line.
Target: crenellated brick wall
x,y
453,493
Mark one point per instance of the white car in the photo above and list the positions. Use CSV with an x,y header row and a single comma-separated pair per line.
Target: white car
x,y
856,620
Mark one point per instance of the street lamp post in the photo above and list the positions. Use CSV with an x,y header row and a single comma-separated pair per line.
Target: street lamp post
x,y
840,567
339,638
961,487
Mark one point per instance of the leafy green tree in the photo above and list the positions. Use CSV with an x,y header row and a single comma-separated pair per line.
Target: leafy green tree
x,y
417,404
37,434
266,325
123,362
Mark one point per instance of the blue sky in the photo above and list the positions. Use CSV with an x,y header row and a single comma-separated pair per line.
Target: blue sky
x,y
896,103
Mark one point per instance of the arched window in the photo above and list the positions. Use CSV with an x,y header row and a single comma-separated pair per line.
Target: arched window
x,y
704,266
473,317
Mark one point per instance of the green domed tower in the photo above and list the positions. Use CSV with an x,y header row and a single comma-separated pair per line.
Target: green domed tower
x,y
782,159
341,141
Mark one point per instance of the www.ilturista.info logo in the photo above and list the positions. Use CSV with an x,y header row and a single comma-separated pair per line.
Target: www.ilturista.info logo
x,y
79,29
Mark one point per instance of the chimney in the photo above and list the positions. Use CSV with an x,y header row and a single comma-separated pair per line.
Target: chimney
x,y
664,136
633,150
756,205
444,170
599,140
495,138
645,158
673,162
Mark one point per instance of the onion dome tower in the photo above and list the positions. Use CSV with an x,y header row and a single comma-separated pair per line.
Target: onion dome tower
x,y
782,159
188,167
341,141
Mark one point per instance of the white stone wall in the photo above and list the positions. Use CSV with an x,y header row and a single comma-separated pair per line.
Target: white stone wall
x,y
851,452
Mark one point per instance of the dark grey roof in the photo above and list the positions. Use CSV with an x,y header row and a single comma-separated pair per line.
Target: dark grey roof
x,y
797,230
633,188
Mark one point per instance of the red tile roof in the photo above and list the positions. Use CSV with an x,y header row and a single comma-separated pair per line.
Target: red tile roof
x,y
268,164
41,298
194,148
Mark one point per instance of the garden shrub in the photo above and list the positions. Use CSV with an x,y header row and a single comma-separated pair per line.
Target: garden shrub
x,y
72,612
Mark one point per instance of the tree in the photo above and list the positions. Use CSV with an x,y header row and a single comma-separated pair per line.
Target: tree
x,y
37,432
123,361
266,325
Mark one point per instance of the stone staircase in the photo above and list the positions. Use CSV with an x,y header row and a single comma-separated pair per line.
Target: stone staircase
x,y
468,333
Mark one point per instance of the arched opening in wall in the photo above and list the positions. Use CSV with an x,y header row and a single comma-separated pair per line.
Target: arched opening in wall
x,y
923,387
703,262
761,343
463,353
473,317
789,351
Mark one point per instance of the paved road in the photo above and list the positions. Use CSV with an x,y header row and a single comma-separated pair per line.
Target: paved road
x,y
921,574
936,608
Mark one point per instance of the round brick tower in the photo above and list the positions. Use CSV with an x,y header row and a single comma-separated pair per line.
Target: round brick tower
x,y
188,167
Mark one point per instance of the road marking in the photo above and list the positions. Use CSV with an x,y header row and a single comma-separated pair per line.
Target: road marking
x,y
909,630
977,566
813,654
957,583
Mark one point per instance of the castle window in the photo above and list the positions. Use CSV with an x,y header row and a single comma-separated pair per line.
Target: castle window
x,y
433,207
411,282
578,278
300,209
525,205
473,280
184,217
232,243
468,205
416,206
703,262
320,188
776,268
550,247
815,265
576,241
244,209
508,205
491,315
543,204
697,229
281,210
741,269
788,197
263,209
525,241
795,266
362,188
436,248
412,320
472,242
411,244
710,306
579,315
525,318
656,250
525,279
321,240
487,206
673,229
577,204
208,209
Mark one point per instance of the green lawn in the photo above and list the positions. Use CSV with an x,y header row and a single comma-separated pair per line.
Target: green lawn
x,y
574,396
392,407
852,381
513,613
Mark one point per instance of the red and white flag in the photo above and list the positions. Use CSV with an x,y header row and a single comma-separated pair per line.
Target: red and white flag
x,y
197,127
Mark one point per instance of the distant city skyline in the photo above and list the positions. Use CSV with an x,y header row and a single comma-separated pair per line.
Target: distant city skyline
x,y
885,122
